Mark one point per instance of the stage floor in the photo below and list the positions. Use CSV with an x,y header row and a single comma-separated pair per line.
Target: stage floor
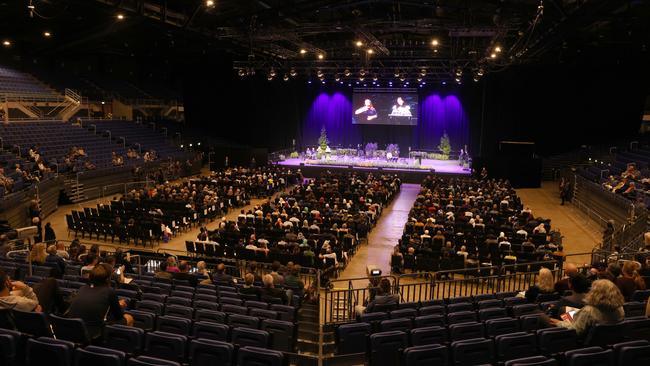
x,y
439,166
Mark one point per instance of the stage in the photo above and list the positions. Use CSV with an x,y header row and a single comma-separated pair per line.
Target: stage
x,y
409,170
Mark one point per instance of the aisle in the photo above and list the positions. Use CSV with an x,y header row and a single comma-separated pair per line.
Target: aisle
x,y
384,235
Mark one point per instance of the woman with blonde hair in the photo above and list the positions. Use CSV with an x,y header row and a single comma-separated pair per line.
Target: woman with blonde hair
x,y
545,285
630,280
38,254
604,306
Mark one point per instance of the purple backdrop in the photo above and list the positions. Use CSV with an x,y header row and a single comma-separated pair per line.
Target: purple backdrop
x,y
438,114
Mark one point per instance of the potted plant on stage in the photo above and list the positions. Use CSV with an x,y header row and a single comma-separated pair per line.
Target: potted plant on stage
x,y
370,149
323,142
393,150
445,146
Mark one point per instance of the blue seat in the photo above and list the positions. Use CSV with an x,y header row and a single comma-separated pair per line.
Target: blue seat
x,y
515,345
98,356
531,322
143,319
489,303
249,337
460,306
428,335
248,356
230,301
73,330
605,334
524,309
234,309
130,294
256,305
433,309
426,355
352,338
633,352
460,299
429,320
404,313
176,300
461,317
210,331
173,324
553,341
590,356
8,347
153,297
403,324
205,297
469,330
482,297
150,361
532,361
243,321
638,328
512,301
386,347
286,312
634,308
475,351
48,351
179,311
150,306
283,334
263,313
32,323
208,305
495,327
167,346
210,316
181,295
123,338
205,352
492,313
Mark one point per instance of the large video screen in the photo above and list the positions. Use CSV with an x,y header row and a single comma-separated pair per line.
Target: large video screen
x,y
385,108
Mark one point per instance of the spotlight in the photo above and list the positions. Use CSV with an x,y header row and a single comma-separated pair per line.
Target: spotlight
x,y
497,49
103,102
182,146
198,144
6,43
319,73
419,79
434,42
435,50
293,72
269,78
303,51
320,56
285,77
423,72
209,3
396,73
375,78
370,51
361,78
272,72
493,55
402,78
476,79
359,43
120,16
362,72
47,34
337,77
480,71
241,72
458,80
347,72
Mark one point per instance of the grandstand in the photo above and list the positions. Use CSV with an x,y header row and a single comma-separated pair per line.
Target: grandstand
x,y
326,183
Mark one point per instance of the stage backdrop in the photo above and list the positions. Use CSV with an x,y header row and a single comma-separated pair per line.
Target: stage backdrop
x,y
439,113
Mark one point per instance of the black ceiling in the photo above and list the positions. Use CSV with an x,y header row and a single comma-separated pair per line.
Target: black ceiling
x,y
266,35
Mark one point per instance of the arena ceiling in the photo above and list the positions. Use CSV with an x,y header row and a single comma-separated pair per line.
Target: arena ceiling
x,y
376,38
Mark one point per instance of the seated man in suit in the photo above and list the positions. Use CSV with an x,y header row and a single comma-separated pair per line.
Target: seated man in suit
x,y
270,291
185,274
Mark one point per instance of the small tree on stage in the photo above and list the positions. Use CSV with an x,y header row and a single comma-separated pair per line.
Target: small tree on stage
x,y
445,146
322,140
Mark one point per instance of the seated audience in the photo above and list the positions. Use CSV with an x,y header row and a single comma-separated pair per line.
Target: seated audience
x,y
184,274
16,295
220,276
269,291
162,272
544,285
249,288
630,281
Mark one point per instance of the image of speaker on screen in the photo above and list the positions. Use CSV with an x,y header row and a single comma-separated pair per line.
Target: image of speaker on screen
x,y
368,110
401,109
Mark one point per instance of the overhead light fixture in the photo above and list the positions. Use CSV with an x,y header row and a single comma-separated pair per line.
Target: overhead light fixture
x,y
47,34
361,78
272,72
320,56
269,78
6,43
319,73
480,71
434,42
362,72
303,51
396,73
120,16
493,55
347,72
293,72
370,51
375,78
497,49
402,78
209,3
459,72
419,79
423,72
476,79
337,77
241,72
359,43
285,77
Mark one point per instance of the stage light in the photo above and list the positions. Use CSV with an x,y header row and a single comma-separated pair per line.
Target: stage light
x,y
480,71
337,77
459,72
47,34
375,78
435,50
362,72
359,43
182,146
476,79
120,16
370,51
303,51
6,43
209,3
402,78
293,72
309,81
444,83
434,42
320,56
285,77
347,72
190,145
269,78
419,79
497,49
361,78
241,72
272,72
423,72
198,144
396,73
319,73
493,55
103,102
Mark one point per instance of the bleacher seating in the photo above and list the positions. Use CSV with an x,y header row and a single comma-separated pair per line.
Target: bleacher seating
x,y
135,133
16,84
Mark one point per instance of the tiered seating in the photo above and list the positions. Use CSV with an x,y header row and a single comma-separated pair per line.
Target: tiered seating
x,y
135,133
8,162
484,329
15,84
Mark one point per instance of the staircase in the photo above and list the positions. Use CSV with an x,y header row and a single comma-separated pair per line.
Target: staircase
x,y
308,334
74,190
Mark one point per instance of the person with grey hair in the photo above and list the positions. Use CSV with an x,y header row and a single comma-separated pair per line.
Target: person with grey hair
x,y
55,261
269,291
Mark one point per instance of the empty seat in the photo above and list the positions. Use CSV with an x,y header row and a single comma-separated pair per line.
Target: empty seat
x,y
634,308
492,313
461,306
404,313
208,305
154,297
150,361
633,352
512,301
461,317
211,331
429,320
179,311
123,338
408,305
285,312
433,309
495,327
173,324
490,303
590,356
428,335
282,334
352,338
426,355
373,317
469,330
385,347
205,352
250,337
48,351
515,345
234,309
73,330
605,334
150,306
210,316
524,309
243,321
176,300
482,297
263,313
460,299
531,322
637,328
532,361
403,324
472,351
8,348
32,323
256,305
143,319
167,346
98,356
553,341
259,357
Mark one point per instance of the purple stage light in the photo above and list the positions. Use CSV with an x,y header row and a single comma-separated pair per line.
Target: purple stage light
x,y
444,83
